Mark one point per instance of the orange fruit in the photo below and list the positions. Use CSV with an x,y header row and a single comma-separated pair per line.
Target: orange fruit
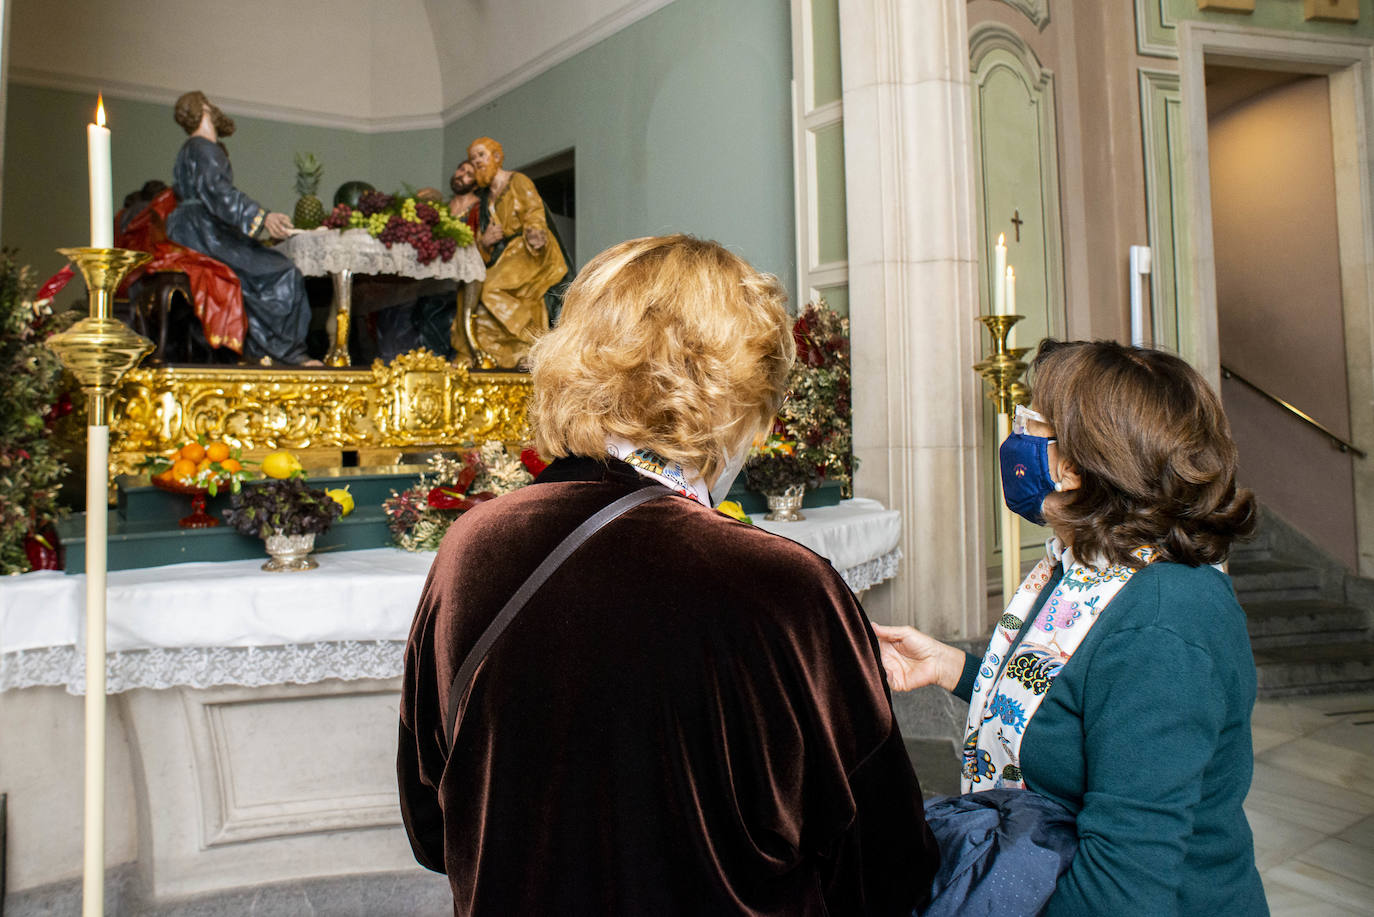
x,y
193,452
204,464
231,465
164,476
183,468
217,452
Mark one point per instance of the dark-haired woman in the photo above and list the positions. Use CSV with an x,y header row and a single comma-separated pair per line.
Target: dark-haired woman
x,y
1119,683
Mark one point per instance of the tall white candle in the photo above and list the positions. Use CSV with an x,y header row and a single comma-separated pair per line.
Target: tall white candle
x,y
1011,304
97,495
102,197
999,273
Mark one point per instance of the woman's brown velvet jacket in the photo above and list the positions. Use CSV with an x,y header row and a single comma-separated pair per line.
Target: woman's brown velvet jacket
x,y
688,718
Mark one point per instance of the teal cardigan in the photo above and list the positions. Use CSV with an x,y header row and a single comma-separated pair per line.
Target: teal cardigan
x,y
1145,735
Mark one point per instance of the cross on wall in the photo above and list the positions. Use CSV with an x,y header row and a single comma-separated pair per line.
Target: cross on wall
x,y
1017,221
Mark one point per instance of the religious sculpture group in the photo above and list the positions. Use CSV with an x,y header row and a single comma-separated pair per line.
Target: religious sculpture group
x,y
223,237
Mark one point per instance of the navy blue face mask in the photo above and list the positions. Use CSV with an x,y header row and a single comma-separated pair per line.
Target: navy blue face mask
x,y
1026,480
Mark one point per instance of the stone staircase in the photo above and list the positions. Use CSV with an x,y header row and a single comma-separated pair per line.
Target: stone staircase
x,y
1311,620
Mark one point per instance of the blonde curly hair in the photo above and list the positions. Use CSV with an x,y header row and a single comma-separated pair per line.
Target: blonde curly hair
x,y
669,342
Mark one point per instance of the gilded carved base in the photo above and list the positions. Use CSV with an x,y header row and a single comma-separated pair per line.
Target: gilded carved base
x,y
417,400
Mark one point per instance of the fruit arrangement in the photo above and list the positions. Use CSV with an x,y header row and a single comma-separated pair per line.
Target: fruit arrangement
x,y
429,229
207,464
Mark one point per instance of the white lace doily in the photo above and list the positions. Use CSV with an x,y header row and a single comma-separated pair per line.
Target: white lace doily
x,y
255,666
205,667
327,251
873,572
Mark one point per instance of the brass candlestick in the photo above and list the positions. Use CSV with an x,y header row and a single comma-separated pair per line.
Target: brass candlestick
x,y
1003,369
98,350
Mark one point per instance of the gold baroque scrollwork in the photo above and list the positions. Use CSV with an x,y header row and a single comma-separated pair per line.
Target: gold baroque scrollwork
x,y
416,400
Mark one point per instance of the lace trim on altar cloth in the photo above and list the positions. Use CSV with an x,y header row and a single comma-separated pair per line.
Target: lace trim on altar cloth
x,y
205,667
320,252
256,666
871,573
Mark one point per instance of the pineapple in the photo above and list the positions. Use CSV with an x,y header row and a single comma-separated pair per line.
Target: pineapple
x,y
309,211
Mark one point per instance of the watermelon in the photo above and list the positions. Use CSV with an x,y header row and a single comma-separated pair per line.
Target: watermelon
x,y
350,191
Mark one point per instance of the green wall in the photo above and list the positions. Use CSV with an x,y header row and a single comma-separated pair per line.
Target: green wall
x,y
680,123
46,202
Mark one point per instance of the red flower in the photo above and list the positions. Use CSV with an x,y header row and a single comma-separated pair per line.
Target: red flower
x,y
448,498
532,462
55,284
41,553
465,479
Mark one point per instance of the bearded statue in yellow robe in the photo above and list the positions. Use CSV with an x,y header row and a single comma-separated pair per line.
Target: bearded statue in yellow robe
x,y
523,261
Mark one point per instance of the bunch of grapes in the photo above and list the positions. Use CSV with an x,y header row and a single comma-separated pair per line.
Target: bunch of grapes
x,y
427,212
374,202
339,217
418,236
408,211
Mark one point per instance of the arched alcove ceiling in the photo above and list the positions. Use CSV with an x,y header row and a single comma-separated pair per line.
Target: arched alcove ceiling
x,y
356,64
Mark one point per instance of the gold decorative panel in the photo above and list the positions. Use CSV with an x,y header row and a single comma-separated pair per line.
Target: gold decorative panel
x,y
418,399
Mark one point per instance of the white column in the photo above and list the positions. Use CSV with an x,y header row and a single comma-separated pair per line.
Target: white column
x,y
913,294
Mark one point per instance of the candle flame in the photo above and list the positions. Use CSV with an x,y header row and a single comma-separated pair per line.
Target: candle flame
x,y
100,109
1011,272
1001,236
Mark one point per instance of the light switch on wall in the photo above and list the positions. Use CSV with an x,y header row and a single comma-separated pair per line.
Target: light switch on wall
x,y
1332,10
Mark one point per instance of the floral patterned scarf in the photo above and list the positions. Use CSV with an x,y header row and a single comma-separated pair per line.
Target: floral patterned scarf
x,y
684,480
1008,691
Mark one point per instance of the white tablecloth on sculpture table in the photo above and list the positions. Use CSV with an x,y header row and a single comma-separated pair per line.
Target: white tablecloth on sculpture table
x,y
317,252
205,624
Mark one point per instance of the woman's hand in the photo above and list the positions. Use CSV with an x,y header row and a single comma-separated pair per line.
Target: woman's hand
x,y
913,659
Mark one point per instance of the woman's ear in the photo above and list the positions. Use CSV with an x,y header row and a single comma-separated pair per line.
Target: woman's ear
x,y
1066,476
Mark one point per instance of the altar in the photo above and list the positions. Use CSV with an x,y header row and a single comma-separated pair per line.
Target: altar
x,y
253,722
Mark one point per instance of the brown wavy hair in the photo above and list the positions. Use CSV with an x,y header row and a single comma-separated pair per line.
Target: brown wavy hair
x,y
670,342
191,105
1153,449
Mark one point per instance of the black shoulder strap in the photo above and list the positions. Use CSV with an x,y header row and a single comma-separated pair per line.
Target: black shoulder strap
x,y
529,587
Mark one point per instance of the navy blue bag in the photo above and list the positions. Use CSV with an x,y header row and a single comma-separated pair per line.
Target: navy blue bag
x,y
1001,853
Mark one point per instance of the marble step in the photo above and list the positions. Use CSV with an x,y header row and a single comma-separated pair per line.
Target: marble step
x,y
1266,580
1316,668
1294,622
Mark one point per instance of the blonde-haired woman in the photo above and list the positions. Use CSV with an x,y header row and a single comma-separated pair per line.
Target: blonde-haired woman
x,y
689,715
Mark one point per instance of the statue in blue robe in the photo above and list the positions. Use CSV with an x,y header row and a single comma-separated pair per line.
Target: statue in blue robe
x,y
218,220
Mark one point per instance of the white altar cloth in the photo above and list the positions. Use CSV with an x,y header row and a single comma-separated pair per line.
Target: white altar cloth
x,y
317,252
207,624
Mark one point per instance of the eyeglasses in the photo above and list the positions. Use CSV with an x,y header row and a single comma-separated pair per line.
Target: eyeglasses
x,y
1024,415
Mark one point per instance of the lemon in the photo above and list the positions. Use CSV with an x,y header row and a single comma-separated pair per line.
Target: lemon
x,y
341,496
280,465
732,509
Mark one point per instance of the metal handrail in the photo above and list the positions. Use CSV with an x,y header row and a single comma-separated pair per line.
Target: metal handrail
x,y
1336,441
